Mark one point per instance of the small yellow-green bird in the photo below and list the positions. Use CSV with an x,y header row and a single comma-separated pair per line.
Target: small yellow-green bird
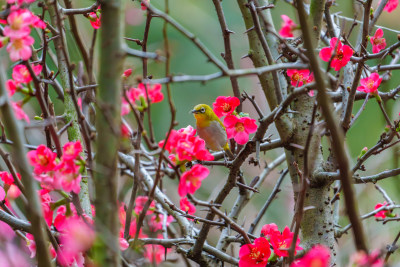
x,y
210,129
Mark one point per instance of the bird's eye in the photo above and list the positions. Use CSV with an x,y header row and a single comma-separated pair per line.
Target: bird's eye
x,y
202,110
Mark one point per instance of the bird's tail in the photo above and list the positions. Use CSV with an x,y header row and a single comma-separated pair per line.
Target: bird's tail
x,y
228,151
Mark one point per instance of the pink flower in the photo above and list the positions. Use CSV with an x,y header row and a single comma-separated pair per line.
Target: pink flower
x,y
21,73
225,105
20,49
342,54
12,87
12,190
255,254
123,244
76,235
154,92
186,206
391,5
318,256
71,150
67,173
19,22
191,180
6,232
378,43
42,159
239,128
2,195
282,242
45,200
287,27
95,18
362,259
125,107
269,230
370,84
300,77
19,112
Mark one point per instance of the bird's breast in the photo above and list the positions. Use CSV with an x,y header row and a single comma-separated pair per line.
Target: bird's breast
x,y
214,135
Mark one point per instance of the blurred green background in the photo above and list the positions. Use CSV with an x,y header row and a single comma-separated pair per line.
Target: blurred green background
x,y
200,18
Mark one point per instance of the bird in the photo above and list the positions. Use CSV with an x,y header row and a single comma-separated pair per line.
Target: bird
x,y
210,128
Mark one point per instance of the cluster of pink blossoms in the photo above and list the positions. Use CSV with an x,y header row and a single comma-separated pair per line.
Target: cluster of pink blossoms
x,y
259,252
154,253
183,147
238,127
139,94
17,31
21,83
57,174
76,235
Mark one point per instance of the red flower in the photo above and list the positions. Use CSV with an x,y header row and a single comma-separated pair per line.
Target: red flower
x,y
282,242
370,84
187,206
127,73
255,254
383,213
42,159
287,27
191,180
95,18
21,73
378,43
300,77
391,5
239,128
225,105
318,256
342,54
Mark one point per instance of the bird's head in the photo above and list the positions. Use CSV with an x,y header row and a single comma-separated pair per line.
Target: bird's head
x,y
203,112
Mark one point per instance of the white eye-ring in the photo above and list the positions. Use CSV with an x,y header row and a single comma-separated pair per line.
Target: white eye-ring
x,y
202,110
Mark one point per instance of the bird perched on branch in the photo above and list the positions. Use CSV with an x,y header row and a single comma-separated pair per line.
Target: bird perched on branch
x,y
210,129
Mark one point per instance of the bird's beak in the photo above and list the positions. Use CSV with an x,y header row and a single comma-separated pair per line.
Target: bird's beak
x,y
194,111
